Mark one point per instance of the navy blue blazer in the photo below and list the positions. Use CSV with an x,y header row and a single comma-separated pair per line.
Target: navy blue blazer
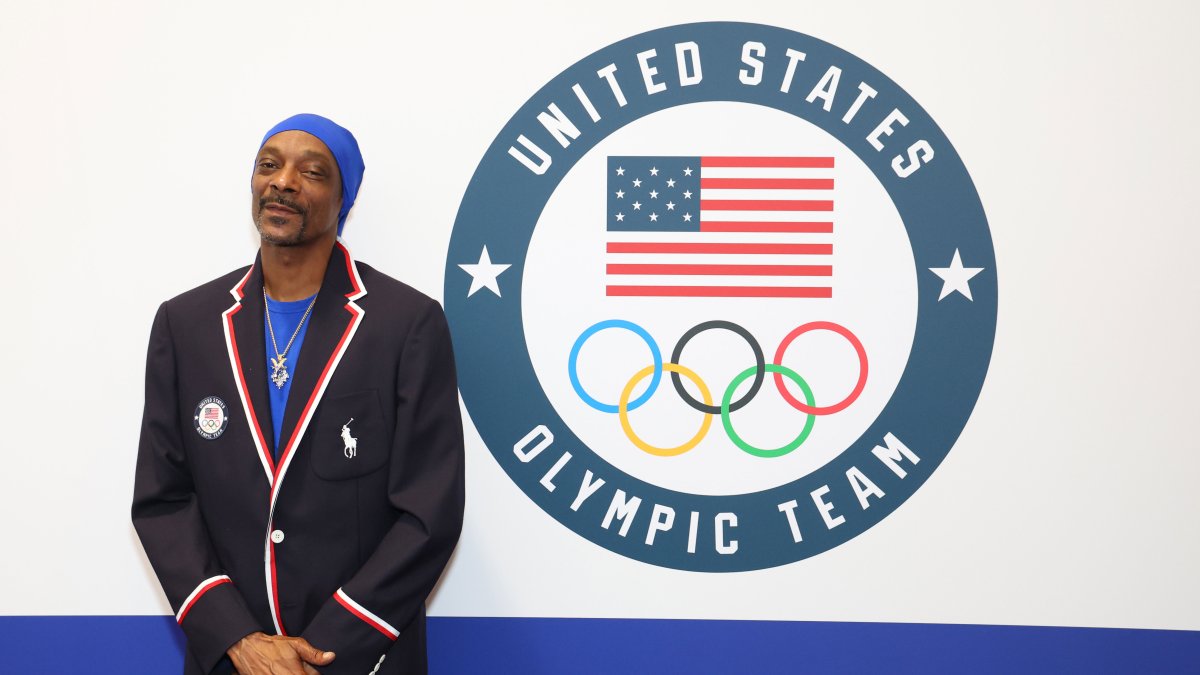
x,y
336,544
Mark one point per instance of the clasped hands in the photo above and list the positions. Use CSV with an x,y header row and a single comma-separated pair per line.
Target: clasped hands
x,y
262,654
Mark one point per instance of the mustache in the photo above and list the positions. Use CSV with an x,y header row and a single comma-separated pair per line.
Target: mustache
x,y
283,201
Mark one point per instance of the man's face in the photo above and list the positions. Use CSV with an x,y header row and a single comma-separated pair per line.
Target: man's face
x,y
296,191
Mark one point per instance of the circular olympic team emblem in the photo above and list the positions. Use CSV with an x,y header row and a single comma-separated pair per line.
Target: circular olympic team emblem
x,y
210,418
723,297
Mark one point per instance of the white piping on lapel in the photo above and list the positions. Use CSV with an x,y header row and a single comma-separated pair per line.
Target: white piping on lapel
x,y
240,380
306,416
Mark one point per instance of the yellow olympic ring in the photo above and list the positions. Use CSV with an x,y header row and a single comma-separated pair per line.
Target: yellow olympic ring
x,y
623,411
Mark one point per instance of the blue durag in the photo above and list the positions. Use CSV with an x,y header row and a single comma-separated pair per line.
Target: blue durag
x,y
341,144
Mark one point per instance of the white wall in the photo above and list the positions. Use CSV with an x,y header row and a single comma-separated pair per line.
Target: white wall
x,y
126,135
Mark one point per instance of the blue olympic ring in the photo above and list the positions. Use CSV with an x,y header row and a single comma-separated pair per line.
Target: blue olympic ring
x,y
572,363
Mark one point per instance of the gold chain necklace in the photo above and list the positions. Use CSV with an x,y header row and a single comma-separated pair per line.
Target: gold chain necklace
x,y
279,373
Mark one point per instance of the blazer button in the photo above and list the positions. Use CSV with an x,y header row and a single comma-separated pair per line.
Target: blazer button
x,y
277,536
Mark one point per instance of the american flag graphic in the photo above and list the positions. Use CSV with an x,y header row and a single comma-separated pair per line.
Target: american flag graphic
x,y
212,413
720,227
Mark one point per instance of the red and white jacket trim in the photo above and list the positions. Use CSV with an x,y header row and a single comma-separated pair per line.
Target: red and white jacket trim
x,y
362,613
277,471
204,587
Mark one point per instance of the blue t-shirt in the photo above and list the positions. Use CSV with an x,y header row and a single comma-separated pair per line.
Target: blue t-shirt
x,y
284,318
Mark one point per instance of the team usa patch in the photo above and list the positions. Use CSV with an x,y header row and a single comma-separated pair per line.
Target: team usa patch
x,y
723,297
211,418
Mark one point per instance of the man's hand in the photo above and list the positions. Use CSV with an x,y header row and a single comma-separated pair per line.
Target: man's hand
x,y
262,654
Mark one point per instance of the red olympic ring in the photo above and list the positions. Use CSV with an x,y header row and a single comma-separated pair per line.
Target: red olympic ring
x,y
862,368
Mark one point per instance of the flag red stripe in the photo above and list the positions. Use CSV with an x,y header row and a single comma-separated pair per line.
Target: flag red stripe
x,y
767,183
724,270
772,226
721,291
789,162
766,205
655,247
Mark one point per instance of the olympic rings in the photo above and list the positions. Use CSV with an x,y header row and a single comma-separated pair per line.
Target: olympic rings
x,y
624,410
728,405
759,362
728,424
572,363
810,408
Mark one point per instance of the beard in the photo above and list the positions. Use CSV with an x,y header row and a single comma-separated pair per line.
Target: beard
x,y
293,239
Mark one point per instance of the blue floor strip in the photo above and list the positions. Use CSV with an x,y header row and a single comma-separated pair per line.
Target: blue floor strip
x,y
133,645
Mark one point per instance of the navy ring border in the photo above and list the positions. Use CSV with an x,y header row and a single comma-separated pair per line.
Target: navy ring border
x,y
938,205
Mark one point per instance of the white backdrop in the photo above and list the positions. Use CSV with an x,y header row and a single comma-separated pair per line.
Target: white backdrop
x,y
126,136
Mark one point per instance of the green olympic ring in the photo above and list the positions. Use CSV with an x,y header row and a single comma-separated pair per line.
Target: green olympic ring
x,y
727,399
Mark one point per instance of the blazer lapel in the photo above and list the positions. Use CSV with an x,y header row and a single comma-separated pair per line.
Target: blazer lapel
x,y
248,358
331,326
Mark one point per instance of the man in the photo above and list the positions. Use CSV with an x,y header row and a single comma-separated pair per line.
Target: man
x,y
285,544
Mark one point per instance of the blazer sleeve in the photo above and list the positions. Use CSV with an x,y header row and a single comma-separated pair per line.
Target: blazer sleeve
x,y
167,517
425,486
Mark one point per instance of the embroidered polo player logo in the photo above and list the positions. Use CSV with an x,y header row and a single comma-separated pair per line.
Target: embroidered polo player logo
x,y
351,442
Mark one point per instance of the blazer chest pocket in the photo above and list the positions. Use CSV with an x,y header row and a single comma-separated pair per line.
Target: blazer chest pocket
x,y
348,438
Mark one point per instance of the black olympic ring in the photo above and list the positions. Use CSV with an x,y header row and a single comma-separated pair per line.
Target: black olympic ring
x,y
759,366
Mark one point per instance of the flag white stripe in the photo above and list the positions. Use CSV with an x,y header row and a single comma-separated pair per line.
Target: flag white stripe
x,y
743,193
766,216
723,237
700,280
765,172
714,259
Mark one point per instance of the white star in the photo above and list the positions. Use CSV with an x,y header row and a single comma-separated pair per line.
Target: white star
x,y
620,194
637,206
670,206
620,217
687,217
687,194
955,277
637,182
653,171
671,182
653,217
484,273
620,171
654,194
687,171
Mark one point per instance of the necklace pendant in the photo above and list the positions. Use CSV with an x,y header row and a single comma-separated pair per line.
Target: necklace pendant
x,y
279,374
